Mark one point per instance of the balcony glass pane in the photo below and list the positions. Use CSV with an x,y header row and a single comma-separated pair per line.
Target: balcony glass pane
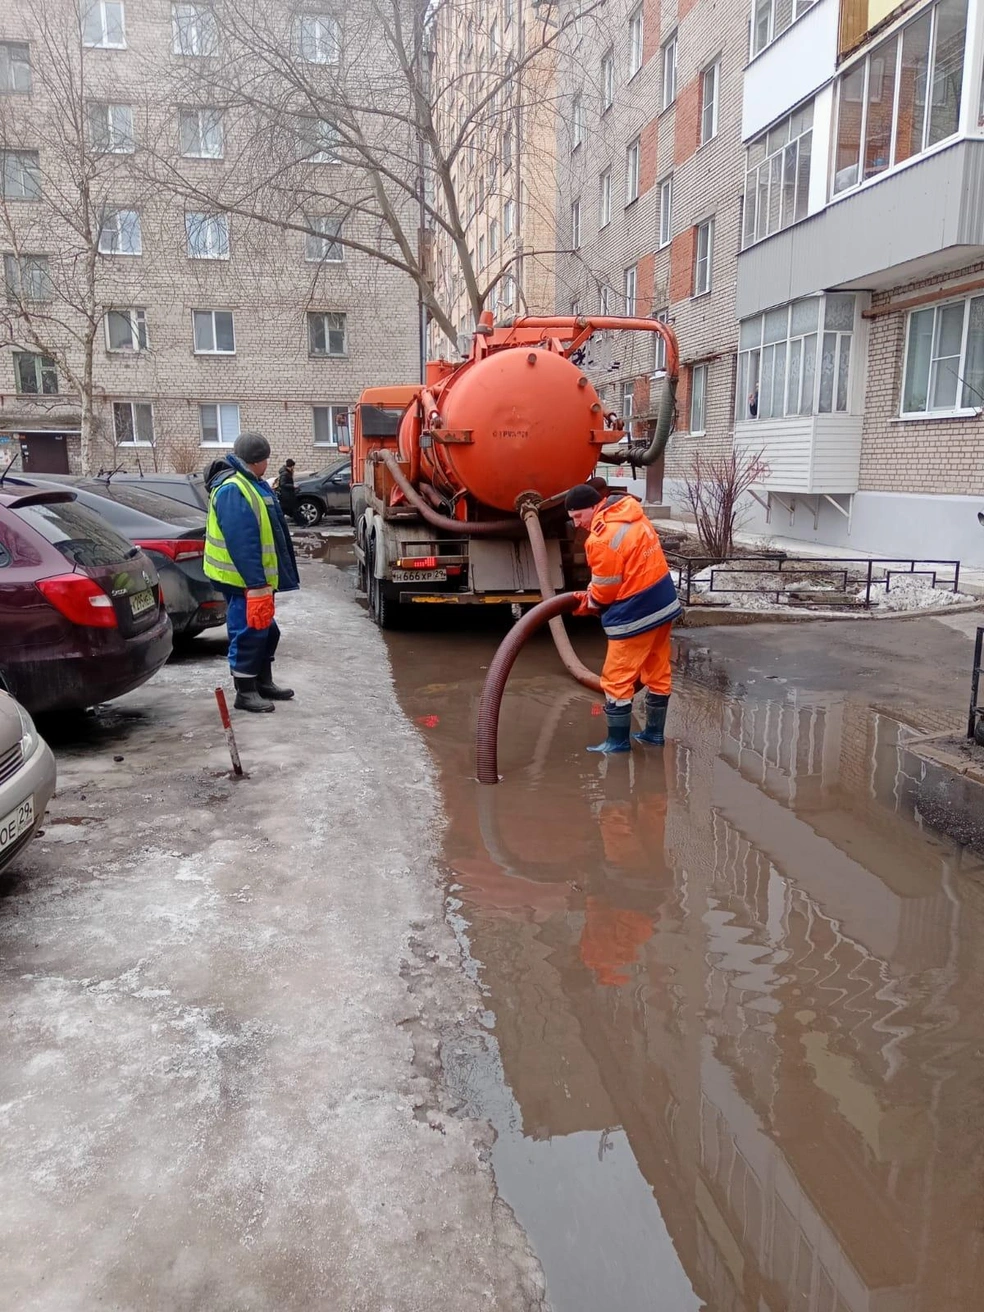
x,y
913,81
880,101
973,391
850,106
918,360
809,373
951,31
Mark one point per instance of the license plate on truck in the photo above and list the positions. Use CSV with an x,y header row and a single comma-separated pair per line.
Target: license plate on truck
x,y
141,602
420,576
20,819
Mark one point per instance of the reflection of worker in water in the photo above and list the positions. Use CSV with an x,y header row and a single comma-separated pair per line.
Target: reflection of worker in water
x,y
620,912
632,591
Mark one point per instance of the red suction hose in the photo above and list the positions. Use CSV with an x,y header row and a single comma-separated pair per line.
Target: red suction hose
x,y
487,741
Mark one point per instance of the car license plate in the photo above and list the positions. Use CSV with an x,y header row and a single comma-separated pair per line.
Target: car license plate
x,y
420,575
141,602
16,823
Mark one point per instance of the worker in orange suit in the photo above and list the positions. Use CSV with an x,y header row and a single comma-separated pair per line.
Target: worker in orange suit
x,y
632,591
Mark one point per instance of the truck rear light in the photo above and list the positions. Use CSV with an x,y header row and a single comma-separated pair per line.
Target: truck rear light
x,y
417,562
80,599
453,570
174,549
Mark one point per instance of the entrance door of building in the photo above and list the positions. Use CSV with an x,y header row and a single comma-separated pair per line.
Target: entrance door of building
x,y
44,453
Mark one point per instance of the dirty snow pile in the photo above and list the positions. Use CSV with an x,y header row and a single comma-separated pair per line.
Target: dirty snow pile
x,y
914,593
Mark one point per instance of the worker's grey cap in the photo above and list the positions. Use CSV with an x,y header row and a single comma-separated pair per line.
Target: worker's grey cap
x,y
251,448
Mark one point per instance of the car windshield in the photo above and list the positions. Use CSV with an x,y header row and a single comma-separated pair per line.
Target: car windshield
x,y
148,503
81,537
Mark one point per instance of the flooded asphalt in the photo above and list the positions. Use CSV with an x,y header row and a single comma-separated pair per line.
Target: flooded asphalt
x,y
733,988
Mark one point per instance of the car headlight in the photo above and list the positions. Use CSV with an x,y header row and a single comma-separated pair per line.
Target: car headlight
x,y
29,734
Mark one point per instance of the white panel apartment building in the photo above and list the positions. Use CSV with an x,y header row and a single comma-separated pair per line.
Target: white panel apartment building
x,y
861,280
207,323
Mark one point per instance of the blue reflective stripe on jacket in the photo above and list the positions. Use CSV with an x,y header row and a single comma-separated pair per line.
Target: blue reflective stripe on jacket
x,y
658,604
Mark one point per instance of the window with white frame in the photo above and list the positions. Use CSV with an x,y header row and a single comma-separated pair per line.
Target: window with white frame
x,y
607,79
703,257
194,28
481,252
322,244
509,219
630,283
669,71
659,344
126,330
15,68
710,84
666,211
103,25
698,399
327,333
575,225
318,38
777,176
770,18
208,236
577,121
21,173
318,140
201,133
507,290
507,156
27,278
901,98
796,359
628,403
944,358
635,42
493,239
133,423
35,375
119,233
219,422
605,198
605,300
110,129
508,8
632,156
331,425
214,332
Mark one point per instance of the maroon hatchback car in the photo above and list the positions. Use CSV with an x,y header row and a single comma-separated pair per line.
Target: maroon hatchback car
x,y
81,616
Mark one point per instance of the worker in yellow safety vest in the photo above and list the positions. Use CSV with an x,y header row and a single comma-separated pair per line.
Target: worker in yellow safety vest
x,y
250,557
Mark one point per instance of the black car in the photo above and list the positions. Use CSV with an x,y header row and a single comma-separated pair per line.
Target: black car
x,y
172,535
327,493
188,489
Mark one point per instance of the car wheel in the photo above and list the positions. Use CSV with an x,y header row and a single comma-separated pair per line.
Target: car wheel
x,y
309,512
386,612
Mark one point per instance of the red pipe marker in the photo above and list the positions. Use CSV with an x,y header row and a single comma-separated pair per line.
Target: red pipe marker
x,y
237,765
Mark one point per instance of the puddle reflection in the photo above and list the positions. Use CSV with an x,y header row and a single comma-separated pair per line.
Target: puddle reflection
x,y
734,994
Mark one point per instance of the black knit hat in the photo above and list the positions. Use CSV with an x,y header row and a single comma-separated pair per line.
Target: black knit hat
x,y
251,448
582,497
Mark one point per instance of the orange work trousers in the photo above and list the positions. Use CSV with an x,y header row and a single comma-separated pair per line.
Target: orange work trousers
x,y
644,659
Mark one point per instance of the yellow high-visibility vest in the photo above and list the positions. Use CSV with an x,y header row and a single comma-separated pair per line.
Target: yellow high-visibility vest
x,y
218,564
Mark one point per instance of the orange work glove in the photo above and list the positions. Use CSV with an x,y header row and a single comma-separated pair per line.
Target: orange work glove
x,y
585,605
260,608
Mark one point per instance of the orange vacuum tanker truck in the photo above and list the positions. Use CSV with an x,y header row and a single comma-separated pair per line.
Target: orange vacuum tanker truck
x,y
458,483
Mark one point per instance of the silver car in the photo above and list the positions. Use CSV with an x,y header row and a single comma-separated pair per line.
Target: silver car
x,y
27,778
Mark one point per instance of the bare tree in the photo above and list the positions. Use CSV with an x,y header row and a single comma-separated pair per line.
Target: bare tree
x,y
337,130
715,486
67,197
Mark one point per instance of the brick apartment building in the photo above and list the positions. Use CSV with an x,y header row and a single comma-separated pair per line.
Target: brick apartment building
x,y
205,323
861,279
504,176
650,179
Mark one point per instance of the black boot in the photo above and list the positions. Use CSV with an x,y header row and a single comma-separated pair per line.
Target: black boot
x,y
656,704
247,696
267,688
619,723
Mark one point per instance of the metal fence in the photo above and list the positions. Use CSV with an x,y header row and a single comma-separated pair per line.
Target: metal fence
x,y
858,576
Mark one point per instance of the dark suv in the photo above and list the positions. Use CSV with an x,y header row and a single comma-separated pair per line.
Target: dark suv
x,y
327,493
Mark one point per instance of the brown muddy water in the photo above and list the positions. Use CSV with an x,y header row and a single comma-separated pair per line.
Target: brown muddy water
x,y
734,991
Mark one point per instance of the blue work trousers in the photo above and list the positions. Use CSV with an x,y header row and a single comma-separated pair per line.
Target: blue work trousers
x,y
250,650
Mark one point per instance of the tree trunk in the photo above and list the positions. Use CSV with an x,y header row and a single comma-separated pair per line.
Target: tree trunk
x,y
86,424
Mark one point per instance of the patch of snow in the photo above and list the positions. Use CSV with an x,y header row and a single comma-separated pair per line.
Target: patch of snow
x,y
915,593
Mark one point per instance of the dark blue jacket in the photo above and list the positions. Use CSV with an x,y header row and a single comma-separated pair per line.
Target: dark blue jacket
x,y
240,529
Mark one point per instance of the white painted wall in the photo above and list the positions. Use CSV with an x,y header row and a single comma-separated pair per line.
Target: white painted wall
x,y
802,59
882,524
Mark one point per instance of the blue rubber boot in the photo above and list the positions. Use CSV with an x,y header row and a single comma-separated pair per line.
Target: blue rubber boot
x,y
619,723
656,704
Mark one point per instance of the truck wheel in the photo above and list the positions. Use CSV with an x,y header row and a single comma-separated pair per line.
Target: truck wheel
x,y
386,612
